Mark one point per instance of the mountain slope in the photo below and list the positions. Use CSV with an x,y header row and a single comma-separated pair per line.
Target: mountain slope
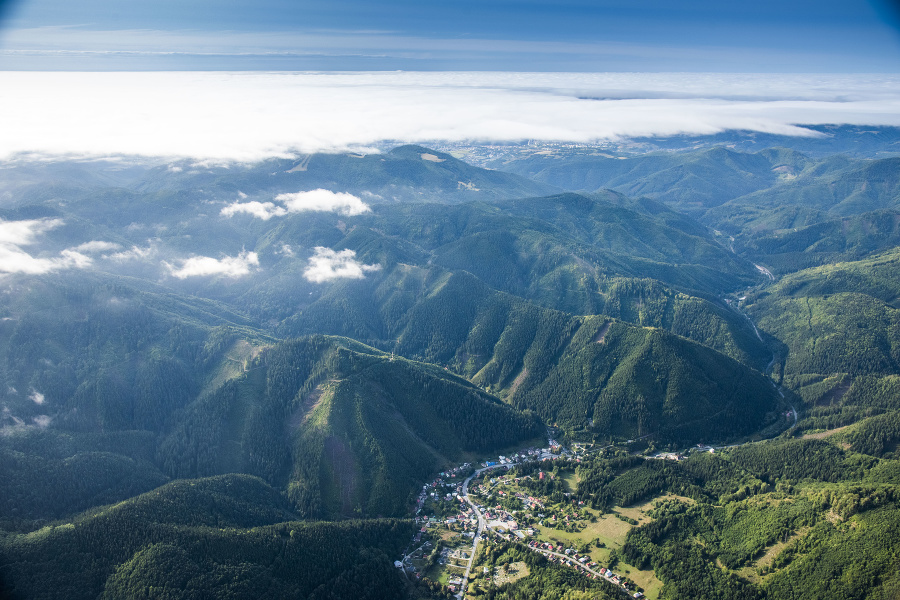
x,y
224,536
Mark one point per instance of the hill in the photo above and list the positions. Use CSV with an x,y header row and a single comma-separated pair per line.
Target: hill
x,y
343,428
214,537
690,181
405,173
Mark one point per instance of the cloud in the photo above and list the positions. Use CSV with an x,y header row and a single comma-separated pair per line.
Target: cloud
x,y
133,253
260,210
23,233
42,421
96,246
36,397
249,116
315,200
324,200
204,266
327,264
13,259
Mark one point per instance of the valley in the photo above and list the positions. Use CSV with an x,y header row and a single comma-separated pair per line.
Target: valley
x,y
241,369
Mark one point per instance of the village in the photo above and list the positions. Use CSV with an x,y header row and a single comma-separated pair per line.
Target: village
x,y
487,502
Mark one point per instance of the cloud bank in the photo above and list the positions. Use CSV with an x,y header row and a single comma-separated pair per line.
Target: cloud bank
x,y
315,200
250,116
327,264
205,266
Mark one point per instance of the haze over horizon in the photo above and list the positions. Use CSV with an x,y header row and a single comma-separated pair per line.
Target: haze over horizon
x,y
276,78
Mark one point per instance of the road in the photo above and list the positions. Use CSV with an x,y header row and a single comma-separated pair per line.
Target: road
x,y
481,524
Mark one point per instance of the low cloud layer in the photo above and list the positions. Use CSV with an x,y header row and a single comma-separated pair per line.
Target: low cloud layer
x,y
315,200
250,116
205,266
327,264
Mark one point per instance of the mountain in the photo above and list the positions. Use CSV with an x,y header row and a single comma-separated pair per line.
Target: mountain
x,y
210,537
405,173
688,181
344,429
205,385
834,187
827,241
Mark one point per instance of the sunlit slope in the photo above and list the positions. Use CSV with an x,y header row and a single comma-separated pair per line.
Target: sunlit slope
x,y
345,429
563,367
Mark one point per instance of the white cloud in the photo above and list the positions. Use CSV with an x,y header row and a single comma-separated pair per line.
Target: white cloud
x,y
324,200
285,250
36,397
253,115
327,264
133,253
13,259
96,246
315,200
42,421
23,233
260,210
228,266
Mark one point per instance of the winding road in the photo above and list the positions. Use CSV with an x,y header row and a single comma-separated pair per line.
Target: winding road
x,y
481,525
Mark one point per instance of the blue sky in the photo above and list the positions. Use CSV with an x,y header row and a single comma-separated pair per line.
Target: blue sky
x,y
523,35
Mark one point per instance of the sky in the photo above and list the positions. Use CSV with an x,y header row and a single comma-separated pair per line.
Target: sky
x,y
845,36
238,80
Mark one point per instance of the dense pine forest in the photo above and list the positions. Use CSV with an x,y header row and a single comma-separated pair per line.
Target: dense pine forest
x,y
233,381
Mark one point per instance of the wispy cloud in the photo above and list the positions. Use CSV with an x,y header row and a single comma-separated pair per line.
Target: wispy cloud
x,y
327,264
249,116
315,200
133,253
96,246
260,210
205,266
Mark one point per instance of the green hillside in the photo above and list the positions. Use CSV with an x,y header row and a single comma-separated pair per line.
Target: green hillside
x,y
202,539
836,318
690,181
827,241
551,362
833,187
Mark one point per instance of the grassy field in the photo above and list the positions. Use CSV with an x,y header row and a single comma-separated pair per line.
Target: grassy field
x,y
610,531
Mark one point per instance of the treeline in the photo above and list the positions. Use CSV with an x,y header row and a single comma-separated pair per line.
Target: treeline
x,y
626,479
799,460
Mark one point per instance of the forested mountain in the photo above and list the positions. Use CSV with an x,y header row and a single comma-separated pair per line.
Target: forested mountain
x,y
217,537
209,371
407,173
690,181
